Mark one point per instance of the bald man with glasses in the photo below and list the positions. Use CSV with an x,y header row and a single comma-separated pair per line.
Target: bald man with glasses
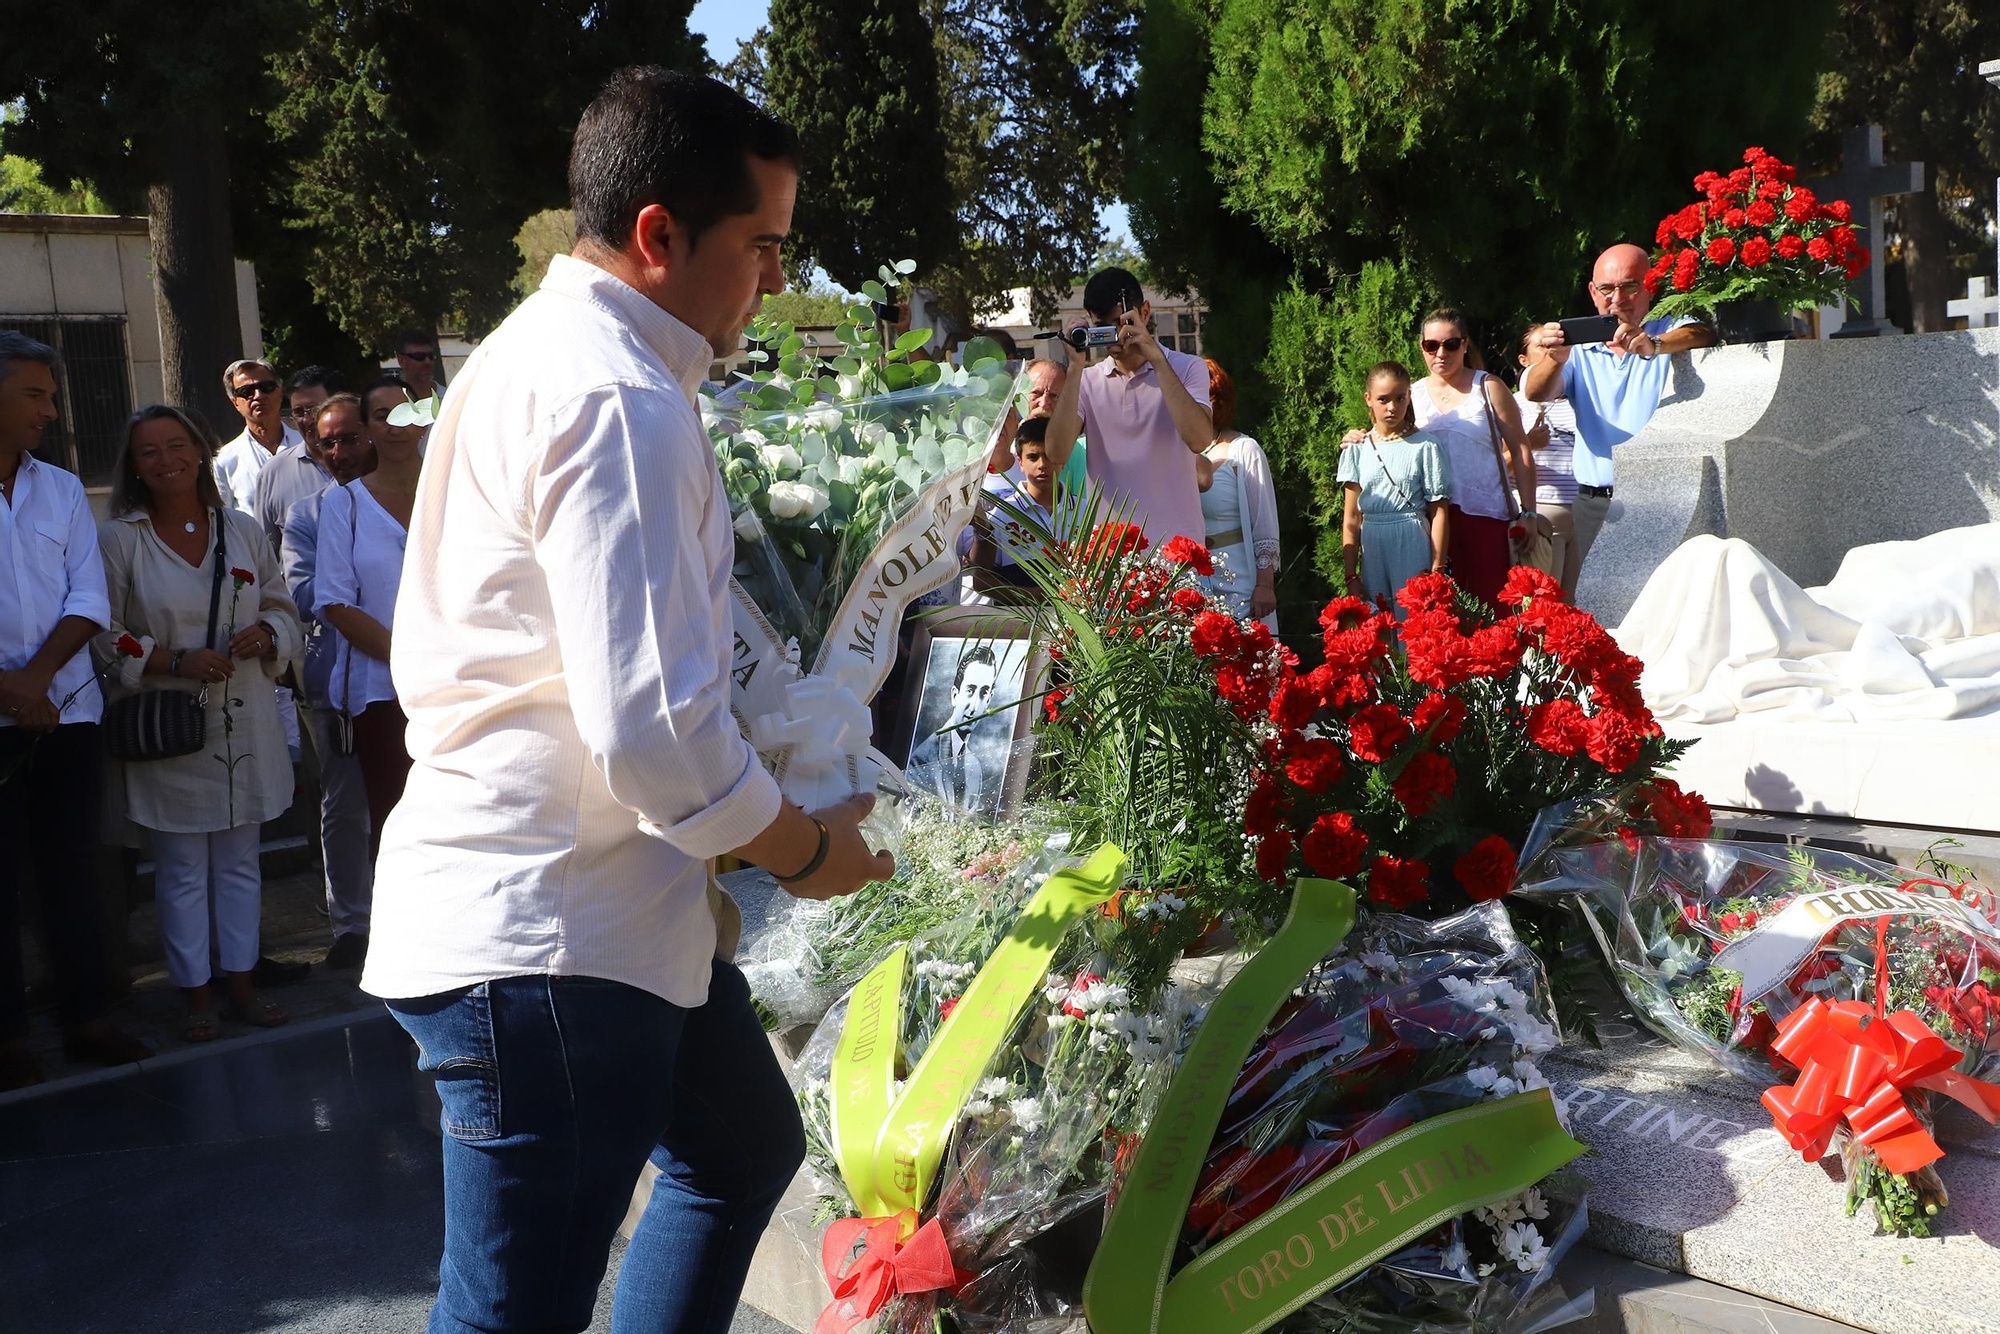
x,y
1613,387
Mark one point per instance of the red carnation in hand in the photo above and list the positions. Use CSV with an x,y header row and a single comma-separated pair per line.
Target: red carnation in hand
x,y
1762,212
1333,847
1315,764
1215,636
1614,740
1374,733
1524,582
1821,249
241,576
1559,726
1487,870
1187,601
1273,853
1721,250
1187,551
130,647
1791,247
1396,882
1686,269
1801,205
1428,779
1440,716
1756,252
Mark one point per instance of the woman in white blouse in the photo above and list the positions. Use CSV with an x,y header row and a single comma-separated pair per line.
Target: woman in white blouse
x,y
363,528
168,532
1239,506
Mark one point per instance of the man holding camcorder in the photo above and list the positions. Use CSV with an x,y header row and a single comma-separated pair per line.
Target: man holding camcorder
x,y
1144,407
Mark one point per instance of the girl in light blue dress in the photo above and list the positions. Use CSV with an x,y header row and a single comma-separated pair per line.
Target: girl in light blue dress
x,y
1397,480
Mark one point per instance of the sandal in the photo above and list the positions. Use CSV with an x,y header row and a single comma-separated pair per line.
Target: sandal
x,y
262,1012
201,1026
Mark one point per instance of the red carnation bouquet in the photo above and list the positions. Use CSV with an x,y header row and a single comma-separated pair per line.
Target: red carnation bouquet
x,y
1866,991
1755,235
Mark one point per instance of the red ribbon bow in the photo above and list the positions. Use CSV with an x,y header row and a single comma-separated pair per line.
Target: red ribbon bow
x,y
1857,1065
887,1266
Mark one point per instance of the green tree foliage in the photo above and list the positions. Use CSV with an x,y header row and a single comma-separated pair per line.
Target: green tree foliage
x,y
22,189
1369,157
815,308
858,79
1910,66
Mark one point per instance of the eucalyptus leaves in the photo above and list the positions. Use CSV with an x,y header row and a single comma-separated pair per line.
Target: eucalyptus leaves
x,y
823,446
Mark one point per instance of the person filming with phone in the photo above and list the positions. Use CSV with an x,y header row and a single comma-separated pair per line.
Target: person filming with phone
x,y
1612,368
1144,408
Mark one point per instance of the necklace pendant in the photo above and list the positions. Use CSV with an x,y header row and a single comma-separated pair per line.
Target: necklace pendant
x,y
189,525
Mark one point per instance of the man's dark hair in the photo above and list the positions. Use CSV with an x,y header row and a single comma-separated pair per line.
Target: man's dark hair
x,y
683,141
317,377
410,338
1034,431
977,653
19,347
1108,287
387,380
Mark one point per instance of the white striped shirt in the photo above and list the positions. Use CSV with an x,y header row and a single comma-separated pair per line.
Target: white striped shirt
x,y
561,644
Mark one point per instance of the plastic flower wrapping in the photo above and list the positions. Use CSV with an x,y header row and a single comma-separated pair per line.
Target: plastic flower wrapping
x,y
1864,990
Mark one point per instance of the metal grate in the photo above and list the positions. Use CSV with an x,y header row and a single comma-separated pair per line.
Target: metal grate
x,y
95,393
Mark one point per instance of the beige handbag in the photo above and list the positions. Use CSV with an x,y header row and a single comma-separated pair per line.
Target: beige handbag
x,y
1527,544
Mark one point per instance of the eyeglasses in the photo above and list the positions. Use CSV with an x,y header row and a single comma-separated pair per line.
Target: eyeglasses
x,y
254,388
418,356
1448,344
1628,288
345,440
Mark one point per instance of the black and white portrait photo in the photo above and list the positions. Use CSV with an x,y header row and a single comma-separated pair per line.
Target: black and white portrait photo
x,y
961,746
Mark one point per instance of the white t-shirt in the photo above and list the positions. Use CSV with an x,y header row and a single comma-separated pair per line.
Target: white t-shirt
x,y
360,566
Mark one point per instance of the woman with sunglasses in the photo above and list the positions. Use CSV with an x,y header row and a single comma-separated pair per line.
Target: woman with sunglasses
x,y
1467,409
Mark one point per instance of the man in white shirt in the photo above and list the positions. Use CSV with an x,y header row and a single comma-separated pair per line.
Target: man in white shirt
x,y
52,600
542,921
257,392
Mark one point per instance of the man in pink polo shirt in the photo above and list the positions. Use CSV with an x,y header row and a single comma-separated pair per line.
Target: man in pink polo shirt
x,y
1144,409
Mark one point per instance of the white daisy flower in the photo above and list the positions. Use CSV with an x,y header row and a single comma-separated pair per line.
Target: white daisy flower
x,y
1483,1076
1028,1114
1523,1245
1534,1205
996,1088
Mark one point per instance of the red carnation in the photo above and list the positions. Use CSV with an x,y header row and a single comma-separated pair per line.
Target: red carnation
x,y
1821,249
1333,846
1293,704
130,647
1397,882
1215,635
1756,252
1273,853
1678,814
1115,539
1261,811
1428,779
1187,551
1248,692
1559,726
1439,717
1315,764
946,1006
1791,247
1843,241
1052,703
1687,223
1686,269
1664,233
1487,870
1187,601
1734,218
1856,265
1341,613
1721,250
241,575
1524,582
1839,211
1801,205
1761,213
1374,733
1614,740
1493,650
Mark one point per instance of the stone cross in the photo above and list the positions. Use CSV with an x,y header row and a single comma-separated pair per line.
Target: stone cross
x,y
1864,181
1977,305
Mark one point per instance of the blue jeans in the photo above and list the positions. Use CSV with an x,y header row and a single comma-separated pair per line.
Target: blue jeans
x,y
556,1091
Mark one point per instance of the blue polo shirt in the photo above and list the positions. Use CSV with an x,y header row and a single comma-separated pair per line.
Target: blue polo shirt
x,y
1613,397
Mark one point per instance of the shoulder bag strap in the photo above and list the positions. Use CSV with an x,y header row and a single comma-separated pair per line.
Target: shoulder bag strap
x,y
215,584
1390,477
1493,437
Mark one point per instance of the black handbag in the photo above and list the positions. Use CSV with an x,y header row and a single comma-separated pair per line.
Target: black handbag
x,y
166,724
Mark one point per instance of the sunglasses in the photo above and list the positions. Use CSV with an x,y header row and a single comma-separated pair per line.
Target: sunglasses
x,y
345,440
1448,344
254,388
418,356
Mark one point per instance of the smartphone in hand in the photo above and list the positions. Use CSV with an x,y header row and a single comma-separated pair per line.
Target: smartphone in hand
x,y
1589,329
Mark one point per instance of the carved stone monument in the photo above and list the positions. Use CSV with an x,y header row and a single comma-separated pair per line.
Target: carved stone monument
x,y
1864,181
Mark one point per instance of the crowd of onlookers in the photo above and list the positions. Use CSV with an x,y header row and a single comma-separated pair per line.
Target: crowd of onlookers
x,y
229,619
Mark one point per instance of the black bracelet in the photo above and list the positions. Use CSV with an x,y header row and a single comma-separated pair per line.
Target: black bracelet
x,y
819,857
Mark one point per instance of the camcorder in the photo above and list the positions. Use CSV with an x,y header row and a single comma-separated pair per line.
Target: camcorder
x,y
1084,337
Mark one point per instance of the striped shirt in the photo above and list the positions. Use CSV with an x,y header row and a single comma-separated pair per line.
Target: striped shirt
x,y
561,643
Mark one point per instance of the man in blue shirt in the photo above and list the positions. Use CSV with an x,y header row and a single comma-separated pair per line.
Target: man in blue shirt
x,y
1614,386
